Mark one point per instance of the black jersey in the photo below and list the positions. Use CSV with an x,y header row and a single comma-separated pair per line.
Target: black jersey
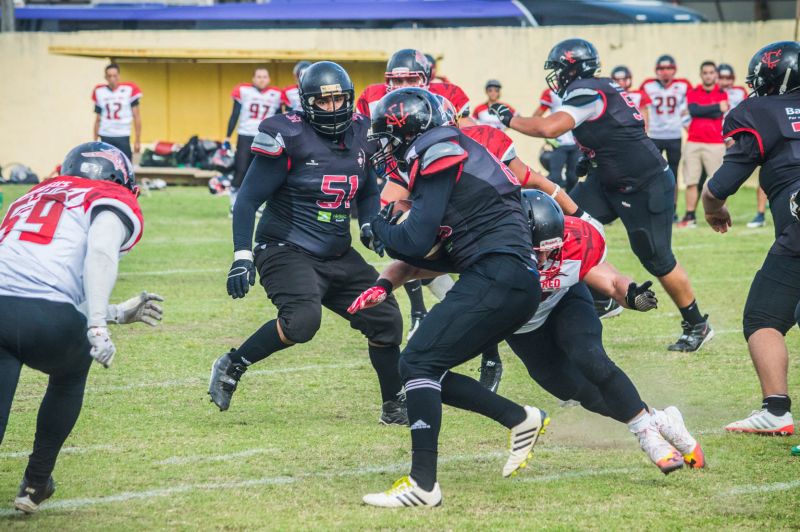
x,y
310,209
610,130
483,214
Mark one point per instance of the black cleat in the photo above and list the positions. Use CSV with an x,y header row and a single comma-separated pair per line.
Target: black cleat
x,y
394,413
31,496
225,375
607,308
693,337
491,371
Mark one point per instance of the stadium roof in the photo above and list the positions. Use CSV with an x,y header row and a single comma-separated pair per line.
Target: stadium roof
x,y
284,10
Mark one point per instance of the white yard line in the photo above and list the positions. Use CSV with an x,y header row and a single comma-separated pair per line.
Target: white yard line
x,y
579,474
222,271
196,459
764,488
64,450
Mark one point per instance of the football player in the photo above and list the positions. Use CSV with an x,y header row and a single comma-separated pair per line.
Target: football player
x,y
628,178
116,105
310,167
562,345
252,103
764,131
624,78
563,159
291,94
470,202
60,245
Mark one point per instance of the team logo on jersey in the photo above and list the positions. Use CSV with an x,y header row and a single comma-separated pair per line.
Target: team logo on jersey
x,y
771,58
293,117
116,157
396,118
361,158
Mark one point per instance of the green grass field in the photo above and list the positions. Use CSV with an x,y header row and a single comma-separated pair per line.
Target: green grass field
x,y
301,443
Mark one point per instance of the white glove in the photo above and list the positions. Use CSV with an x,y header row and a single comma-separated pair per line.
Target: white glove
x,y
139,308
103,348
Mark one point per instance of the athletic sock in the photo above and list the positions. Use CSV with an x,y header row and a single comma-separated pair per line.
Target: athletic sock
x,y
385,361
777,405
424,398
465,393
414,291
490,354
260,345
690,215
691,313
640,422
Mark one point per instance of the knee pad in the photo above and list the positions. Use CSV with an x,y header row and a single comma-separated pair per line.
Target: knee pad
x,y
390,333
753,321
658,262
301,322
642,244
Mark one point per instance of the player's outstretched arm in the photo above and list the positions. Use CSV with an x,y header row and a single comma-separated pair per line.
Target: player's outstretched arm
x,y
530,178
548,127
396,274
606,279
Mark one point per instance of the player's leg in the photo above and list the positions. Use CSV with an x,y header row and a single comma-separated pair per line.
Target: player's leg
x,y
648,223
382,326
242,158
418,309
692,170
10,367
558,161
573,154
761,206
294,287
491,368
769,313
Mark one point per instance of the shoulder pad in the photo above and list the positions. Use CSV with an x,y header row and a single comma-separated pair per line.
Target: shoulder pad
x,y
428,139
737,119
268,145
581,96
441,156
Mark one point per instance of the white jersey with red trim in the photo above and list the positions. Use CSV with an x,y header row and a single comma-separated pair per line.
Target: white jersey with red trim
x,y
43,236
257,105
584,248
484,117
736,95
115,108
291,98
667,107
551,101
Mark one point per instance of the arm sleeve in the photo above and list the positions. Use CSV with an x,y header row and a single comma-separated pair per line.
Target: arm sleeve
x,y
97,109
135,102
417,235
263,178
704,111
237,109
107,234
730,176
368,200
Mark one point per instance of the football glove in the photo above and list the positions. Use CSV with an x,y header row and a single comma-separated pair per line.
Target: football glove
x,y
103,348
583,166
388,214
372,296
139,308
370,241
641,298
241,277
794,206
502,112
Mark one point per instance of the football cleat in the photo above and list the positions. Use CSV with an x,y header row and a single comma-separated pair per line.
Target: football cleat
x,y
762,422
687,222
659,450
405,492
522,439
416,320
669,423
491,371
30,496
694,336
225,375
607,308
758,221
394,413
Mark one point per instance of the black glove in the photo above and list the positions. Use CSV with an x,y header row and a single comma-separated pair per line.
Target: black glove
x,y
371,241
388,214
502,112
641,298
582,166
241,277
794,205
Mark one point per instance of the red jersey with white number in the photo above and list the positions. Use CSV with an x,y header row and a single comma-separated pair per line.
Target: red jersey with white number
x,y
372,94
44,234
115,108
639,98
667,107
482,115
291,98
257,105
584,248
551,101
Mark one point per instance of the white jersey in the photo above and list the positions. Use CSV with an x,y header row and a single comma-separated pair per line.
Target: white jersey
x,y
291,98
736,95
44,234
256,106
116,108
667,107
552,101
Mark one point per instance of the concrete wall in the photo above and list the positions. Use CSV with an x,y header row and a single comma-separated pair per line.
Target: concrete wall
x,y
45,105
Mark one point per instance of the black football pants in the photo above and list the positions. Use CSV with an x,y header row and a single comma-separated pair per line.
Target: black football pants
x,y
123,144
241,159
563,164
49,337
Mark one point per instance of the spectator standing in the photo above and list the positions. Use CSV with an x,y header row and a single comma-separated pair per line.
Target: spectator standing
x,y
481,113
564,159
705,148
116,105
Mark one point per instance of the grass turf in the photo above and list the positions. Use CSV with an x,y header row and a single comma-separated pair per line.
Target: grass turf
x,y
301,443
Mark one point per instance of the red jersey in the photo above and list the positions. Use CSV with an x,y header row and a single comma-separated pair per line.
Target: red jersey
x,y
372,94
705,129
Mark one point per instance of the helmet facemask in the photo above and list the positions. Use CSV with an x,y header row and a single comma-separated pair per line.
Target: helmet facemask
x,y
554,248
330,124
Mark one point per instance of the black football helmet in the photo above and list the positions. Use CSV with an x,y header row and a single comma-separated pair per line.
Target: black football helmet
x,y
773,70
399,118
101,162
546,221
570,60
448,110
299,68
326,78
407,63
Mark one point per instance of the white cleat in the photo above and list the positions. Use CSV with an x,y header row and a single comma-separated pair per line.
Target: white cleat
x,y
669,423
405,492
762,422
522,439
659,450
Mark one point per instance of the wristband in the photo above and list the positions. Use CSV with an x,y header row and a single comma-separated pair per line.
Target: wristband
x,y
578,213
527,175
555,192
385,284
245,254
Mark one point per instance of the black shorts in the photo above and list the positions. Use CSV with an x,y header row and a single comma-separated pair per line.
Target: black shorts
x,y
44,335
646,214
121,143
300,284
242,159
672,148
493,298
774,295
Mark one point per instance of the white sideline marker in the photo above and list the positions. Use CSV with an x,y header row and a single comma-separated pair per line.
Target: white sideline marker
x,y
764,488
